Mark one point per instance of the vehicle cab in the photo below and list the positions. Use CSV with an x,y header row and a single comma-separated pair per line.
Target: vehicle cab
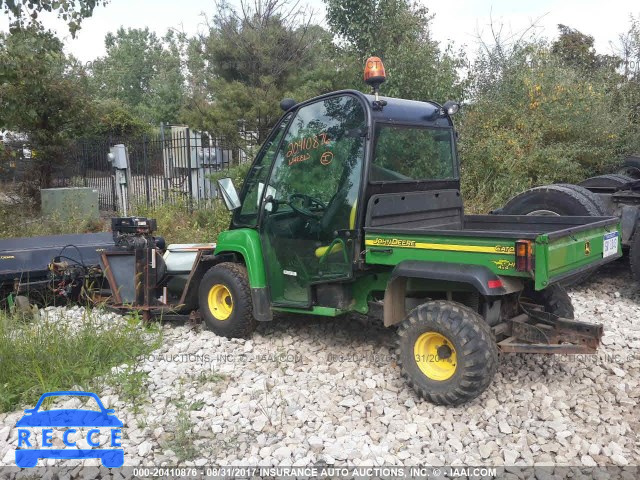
x,y
307,190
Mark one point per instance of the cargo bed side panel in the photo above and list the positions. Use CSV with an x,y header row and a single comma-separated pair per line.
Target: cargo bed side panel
x,y
562,256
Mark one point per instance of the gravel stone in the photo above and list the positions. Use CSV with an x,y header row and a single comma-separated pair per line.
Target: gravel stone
x,y
313,391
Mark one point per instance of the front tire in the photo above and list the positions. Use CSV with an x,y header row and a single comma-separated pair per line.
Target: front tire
x,y
224,297
446,352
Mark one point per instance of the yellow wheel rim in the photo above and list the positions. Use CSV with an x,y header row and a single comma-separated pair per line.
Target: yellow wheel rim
x,y
220,302
435,356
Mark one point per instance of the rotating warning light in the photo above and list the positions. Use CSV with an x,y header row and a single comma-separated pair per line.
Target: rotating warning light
x,y
374,73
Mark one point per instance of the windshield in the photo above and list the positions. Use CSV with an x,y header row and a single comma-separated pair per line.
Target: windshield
x,y
405,153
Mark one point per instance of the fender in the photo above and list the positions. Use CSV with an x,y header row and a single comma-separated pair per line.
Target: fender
x,y
246,242
479,277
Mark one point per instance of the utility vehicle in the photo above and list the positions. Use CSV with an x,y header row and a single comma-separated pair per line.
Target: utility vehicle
x,y
353,206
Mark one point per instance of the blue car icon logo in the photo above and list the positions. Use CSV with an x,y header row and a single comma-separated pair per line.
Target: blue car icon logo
x,y
34,418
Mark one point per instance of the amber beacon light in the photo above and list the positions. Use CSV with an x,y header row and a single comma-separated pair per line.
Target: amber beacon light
x,y
374,74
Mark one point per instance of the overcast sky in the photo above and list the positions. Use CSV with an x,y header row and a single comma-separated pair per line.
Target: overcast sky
x,y
458,21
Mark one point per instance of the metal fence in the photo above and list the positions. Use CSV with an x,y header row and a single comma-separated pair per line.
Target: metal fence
x,y
176,165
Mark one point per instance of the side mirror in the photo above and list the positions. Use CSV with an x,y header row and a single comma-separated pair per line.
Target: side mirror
x,y
229,193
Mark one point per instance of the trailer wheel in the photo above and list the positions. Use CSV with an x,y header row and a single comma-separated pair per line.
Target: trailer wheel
x,y
634,256
594,198
560,199
554,299
446,352
224,297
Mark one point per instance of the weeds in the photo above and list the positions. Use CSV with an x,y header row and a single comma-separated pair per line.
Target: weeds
x,y
210,377
42,356
179,223
182,442
130,385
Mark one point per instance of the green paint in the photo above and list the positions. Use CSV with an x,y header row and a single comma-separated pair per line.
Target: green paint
x,y
496,259
322,311
363,288
246,242
568,253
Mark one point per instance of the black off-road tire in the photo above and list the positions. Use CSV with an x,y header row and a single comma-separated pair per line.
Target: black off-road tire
x,y
634,256
554,298
240,323
472,340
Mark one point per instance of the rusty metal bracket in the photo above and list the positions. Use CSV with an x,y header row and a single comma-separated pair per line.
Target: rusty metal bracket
x,y
536,331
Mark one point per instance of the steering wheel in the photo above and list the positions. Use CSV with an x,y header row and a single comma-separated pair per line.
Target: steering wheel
x,y
309,201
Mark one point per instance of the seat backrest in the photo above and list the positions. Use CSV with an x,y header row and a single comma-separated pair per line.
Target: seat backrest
x,y
433,209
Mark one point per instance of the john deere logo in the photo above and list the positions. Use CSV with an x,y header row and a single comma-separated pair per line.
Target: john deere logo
x,y
587,248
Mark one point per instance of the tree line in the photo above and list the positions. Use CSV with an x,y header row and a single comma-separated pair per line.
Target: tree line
x,y
535,111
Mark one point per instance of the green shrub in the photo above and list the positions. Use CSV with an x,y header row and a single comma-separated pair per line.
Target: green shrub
x,y
537,121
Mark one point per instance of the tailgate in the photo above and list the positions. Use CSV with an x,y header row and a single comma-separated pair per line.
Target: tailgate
x,y
564,253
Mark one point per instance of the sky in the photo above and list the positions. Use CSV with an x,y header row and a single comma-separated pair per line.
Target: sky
x,y
457,21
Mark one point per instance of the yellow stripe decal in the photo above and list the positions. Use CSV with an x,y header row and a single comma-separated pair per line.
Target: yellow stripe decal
x,y
396,243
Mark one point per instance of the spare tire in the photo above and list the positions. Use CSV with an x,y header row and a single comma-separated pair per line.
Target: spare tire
x,y
561,199
631,167
612,180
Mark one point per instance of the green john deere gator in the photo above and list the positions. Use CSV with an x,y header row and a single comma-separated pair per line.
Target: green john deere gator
x,y
353,205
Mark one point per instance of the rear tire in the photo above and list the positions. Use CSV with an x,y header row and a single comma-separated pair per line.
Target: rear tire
x,y
446,352
554,299
225,303
594,198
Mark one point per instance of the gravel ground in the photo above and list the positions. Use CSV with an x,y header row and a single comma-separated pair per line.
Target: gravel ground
x,y
308,391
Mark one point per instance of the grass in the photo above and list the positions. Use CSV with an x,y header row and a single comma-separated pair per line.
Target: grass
x,y
38,356
182,443
178,221
19,220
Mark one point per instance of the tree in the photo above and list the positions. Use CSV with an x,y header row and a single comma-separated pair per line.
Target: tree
x,y
249,59
25,12
143,72
43,94
628,49
576,49
398,32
